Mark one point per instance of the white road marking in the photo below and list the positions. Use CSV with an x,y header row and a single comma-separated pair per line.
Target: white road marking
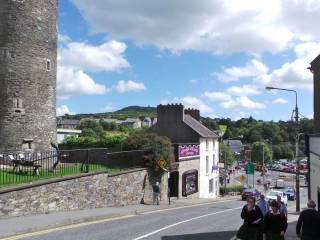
x,y
185,221
77,225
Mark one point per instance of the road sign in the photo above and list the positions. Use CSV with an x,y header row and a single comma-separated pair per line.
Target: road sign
x,y
243,178
162,163
249,168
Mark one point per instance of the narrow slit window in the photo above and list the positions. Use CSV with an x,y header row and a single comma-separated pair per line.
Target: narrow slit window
x,y
48,65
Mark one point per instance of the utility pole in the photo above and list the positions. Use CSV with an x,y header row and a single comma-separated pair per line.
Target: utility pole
x,y
297,156
263,172
296,120
225,171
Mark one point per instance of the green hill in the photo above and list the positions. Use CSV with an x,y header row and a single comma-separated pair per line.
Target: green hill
x,y
127,112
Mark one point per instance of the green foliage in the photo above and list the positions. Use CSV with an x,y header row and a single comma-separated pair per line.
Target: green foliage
x,y
108,140
159,146
226,153
256,153
234,188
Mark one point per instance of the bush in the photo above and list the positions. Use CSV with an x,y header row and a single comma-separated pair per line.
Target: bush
x,y
159,147
234,188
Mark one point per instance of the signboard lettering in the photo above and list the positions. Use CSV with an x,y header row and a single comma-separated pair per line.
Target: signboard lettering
x,y
186,151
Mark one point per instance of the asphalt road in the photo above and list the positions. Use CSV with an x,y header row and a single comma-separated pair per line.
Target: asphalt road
x,y
218,220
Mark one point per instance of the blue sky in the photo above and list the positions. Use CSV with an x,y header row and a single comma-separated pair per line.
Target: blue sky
x,y
212,55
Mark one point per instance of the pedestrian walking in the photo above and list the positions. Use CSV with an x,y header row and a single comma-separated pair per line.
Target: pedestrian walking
x,y
156,193
252,220
263,205
282,207
275,223
309,222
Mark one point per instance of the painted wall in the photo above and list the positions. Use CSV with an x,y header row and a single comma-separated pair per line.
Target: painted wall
x,y
206,174
314,167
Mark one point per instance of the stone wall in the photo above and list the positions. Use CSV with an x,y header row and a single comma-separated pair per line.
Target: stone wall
x,y
90,191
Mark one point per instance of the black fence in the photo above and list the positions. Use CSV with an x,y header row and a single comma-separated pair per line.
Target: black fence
x,y
28,167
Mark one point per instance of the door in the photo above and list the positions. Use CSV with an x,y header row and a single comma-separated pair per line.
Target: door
x,y
174,184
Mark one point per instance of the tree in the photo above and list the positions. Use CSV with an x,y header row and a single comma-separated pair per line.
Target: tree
x,y
256,152
226,152
160,147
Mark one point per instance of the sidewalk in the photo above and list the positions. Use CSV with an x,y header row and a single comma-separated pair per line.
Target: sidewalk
x,y
19,225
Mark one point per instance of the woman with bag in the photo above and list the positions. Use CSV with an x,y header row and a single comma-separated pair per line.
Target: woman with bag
x,y
275,223
252,220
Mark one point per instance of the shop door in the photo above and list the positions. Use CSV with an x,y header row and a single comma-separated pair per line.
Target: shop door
x,y
174,184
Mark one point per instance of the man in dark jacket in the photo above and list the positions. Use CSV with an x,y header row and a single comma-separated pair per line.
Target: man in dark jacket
x,y
309,221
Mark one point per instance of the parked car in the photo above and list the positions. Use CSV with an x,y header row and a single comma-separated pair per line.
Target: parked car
x,y
272,195
291,194
250,192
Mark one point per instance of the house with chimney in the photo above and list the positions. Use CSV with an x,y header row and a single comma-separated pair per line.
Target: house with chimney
x,y
313,141
194,173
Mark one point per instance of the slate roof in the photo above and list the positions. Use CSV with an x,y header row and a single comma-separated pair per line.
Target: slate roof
x,y
235,146
199,127
68,122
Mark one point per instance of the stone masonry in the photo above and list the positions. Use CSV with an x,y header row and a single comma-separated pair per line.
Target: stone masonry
x,y
28,65
96,191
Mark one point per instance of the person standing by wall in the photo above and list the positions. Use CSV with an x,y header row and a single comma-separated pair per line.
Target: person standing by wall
x,y
156,193
275,223
309,222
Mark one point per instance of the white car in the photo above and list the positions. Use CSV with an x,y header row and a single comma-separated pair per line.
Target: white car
x,y
272,195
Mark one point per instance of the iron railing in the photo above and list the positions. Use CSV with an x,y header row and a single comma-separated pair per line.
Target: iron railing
x,y
26,167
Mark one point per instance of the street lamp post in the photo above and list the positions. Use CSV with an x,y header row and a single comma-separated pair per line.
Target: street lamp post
x,y
296,117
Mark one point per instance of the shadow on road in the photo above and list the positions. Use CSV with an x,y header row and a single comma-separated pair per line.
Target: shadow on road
x,y
226,235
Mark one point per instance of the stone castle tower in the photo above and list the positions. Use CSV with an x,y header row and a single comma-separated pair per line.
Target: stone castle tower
x,y
28,65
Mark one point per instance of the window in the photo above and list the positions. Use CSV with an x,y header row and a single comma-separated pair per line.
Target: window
x,y
189,182
48,65
207,165
207,144
211,186
214,159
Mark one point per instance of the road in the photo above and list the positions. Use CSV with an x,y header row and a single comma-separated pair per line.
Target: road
x,y
218,220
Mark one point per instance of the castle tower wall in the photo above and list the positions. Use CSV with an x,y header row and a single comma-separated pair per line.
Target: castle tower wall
x,y
28,65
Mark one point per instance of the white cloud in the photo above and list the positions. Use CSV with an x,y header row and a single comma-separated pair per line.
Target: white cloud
x,y
71,82
245,90
251,69
75,58
242,103
193,81
63,110
105,57
63,39
129,86
280,101
218,26
293,74
109,108
217,96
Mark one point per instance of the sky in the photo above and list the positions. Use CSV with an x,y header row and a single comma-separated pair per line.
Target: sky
x,y
214,55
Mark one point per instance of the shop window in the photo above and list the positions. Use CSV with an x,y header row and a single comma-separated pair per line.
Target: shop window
x,y
189,182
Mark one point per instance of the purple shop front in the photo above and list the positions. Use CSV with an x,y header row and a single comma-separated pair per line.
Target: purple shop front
x,y
189,151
